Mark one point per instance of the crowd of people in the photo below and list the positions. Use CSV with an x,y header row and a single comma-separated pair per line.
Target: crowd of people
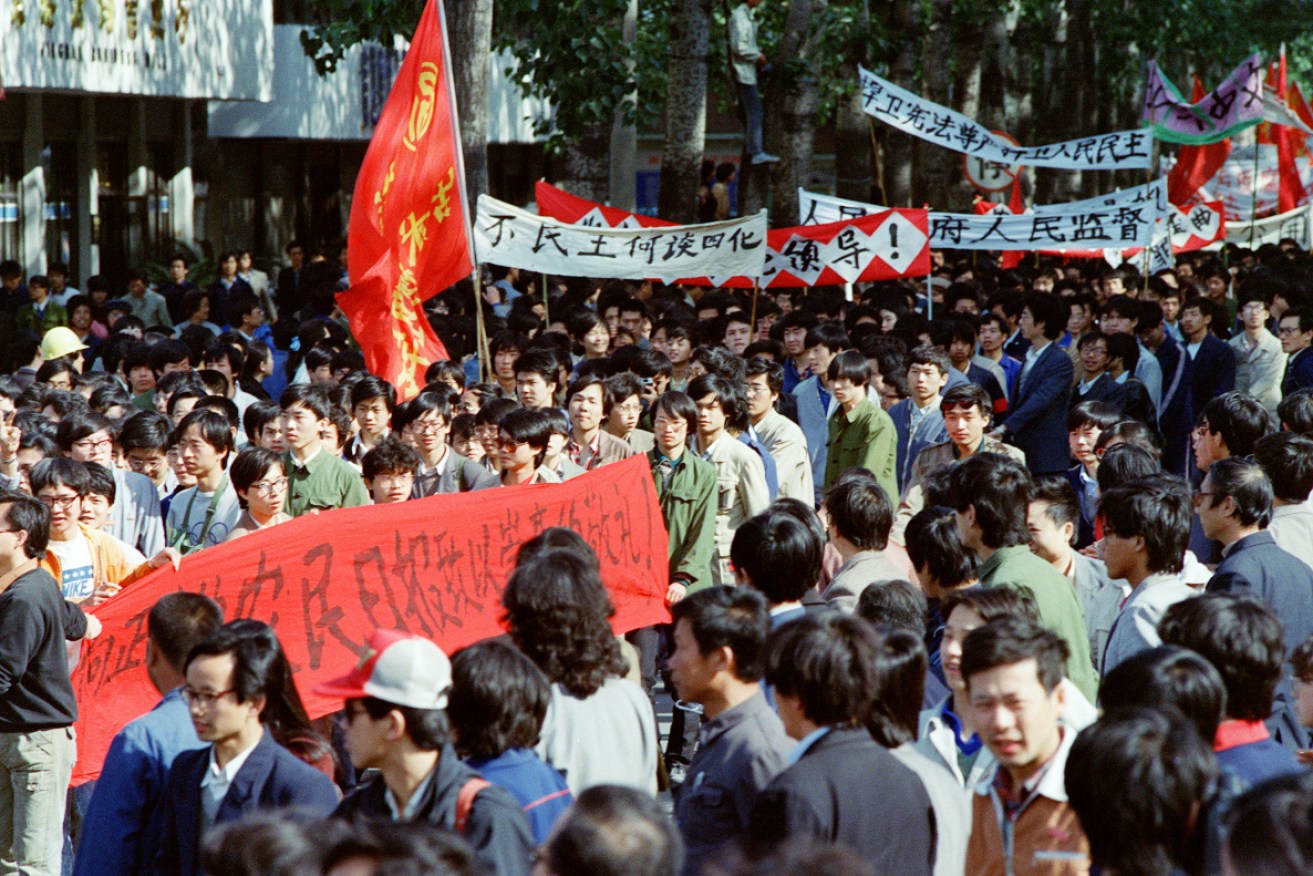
x,y
994,572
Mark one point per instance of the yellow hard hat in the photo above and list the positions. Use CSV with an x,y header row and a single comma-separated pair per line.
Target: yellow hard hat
x,y
60,341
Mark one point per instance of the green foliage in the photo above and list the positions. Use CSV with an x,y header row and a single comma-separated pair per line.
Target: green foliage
x,y
344,23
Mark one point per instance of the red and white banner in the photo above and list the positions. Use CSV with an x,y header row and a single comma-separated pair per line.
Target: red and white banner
x,y
885,245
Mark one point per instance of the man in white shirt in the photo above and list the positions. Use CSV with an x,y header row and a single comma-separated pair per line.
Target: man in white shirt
x,y
783,437
747,60
1288,460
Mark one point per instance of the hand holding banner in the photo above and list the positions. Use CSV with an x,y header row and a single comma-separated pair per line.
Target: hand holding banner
x,y
913,114
432,566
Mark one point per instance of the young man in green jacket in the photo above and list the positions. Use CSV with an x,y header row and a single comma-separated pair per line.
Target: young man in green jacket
x,y
991,494
861,433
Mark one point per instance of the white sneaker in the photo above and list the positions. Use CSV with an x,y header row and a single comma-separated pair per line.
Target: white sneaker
x,y
764,158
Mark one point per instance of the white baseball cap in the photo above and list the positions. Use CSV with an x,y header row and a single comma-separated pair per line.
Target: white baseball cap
x,y
398,668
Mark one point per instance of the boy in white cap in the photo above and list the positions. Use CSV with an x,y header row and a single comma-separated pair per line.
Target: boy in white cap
x,y
394,720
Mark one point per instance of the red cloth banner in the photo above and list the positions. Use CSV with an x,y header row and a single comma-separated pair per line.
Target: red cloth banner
x,y
433,566
881,246
409,234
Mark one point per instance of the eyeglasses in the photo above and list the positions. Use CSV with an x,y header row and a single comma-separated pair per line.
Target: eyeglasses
x,y
429,428
268,488
1287,330
630,408
89,445
661,423
194,697
347,716
60,502
403,478
507,445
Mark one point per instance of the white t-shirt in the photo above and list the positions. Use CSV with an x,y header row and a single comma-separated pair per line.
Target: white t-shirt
x,y
77,579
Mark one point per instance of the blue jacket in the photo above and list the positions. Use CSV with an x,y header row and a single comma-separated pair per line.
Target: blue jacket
x,y
1174,416
1037,417
1104,389
813,418
271,778
122,827
537,787
929,431
1299,372
767,461
1255,566
1212,372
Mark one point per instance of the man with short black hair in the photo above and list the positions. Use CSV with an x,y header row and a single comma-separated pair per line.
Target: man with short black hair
x,y
1288,460
783,438
1295,330
1260,361
395,722
1013,671
1146,529
991,495
123,825
778,555
1235,505
841,786
720,641
1241,637
1232,423
37,705
1053,518
203,515
612,831
861,434
536,379
1139,779
815,402
1037,413
860,518
917,419
1212,361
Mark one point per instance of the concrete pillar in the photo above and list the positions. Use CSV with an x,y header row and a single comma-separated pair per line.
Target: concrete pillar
x,y
32,193
624,138
182,191
88,195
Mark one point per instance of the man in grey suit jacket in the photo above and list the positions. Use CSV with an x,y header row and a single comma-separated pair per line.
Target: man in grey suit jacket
x,y
1146,530
423,423
917,418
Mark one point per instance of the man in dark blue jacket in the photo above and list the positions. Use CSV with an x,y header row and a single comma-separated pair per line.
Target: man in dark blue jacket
x,y
1036,420
842,787
231,676
1296,333
1212,361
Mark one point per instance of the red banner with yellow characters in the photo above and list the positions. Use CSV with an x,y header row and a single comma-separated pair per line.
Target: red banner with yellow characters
x,y
409,231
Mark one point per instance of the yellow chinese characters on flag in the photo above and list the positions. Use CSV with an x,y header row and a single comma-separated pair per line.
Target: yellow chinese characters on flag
x,y
409,232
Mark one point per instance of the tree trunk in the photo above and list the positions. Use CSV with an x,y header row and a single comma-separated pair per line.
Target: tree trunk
x,y
898,151
686,110
792,102
588,164
469,23
854,178
1062,97
939,170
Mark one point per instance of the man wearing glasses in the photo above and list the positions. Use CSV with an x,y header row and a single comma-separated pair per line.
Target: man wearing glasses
x,y
423,423
1296,334
122,827
87,436
37,706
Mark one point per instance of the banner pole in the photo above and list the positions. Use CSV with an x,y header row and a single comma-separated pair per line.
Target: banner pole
x,y
1253,200
930,295
547,317
481,330
756,291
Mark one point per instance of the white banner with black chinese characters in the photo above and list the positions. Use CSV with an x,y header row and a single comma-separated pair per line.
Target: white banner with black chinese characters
x,y
1296,225
913,114
506,235
1119,220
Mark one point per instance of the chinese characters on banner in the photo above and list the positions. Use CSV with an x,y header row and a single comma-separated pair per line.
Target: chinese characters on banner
x,y
1296,224
409,234
913,114
1119,220
433,566
507,235
875,245
1234,105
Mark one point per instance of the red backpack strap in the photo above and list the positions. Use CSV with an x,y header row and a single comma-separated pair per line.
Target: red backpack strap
x,y
465,800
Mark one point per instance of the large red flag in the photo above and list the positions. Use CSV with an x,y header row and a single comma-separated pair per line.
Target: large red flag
x,y
409,235
1195,165
1291,193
